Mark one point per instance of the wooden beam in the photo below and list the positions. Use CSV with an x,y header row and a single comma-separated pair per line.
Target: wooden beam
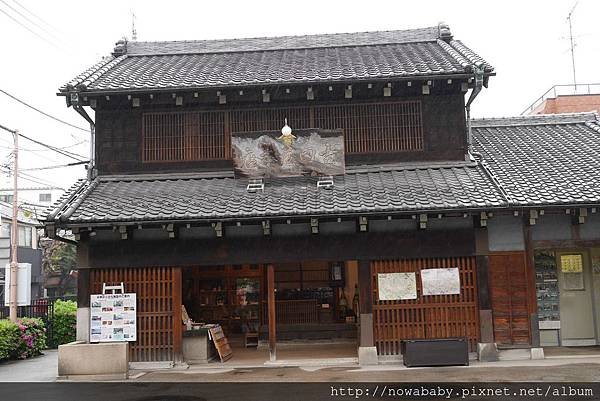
x,y
273,249
272,314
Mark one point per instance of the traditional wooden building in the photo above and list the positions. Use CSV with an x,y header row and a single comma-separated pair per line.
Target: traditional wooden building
x,y
169,210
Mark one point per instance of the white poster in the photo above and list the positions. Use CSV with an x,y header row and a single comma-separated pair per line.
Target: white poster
x,y
396,286
113,317
440,281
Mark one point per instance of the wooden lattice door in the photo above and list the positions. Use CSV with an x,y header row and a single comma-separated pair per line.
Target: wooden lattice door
x,y
158,292
432,316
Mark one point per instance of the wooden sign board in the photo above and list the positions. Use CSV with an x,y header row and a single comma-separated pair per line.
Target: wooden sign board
x,y
307,152
221,343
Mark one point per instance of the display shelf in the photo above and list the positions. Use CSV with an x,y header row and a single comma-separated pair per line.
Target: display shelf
x,y
547,290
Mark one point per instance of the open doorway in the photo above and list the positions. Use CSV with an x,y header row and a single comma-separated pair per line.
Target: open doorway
x,y
316,310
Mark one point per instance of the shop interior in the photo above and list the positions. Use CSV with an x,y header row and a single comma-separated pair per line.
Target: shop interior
x,y
315,303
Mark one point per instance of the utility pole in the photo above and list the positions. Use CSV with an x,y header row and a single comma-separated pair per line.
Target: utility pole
x,y
14,232
133,31
572,44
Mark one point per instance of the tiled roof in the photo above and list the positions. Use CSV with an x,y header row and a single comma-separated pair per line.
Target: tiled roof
x,y
162,198
279,60
543,160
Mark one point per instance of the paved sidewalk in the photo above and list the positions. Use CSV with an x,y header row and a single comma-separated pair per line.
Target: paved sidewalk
x,y
42,368
578,369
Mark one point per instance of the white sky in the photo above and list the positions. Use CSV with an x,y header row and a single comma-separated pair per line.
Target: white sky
x,y
526,41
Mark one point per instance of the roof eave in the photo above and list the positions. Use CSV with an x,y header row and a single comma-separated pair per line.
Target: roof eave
x,y
462,75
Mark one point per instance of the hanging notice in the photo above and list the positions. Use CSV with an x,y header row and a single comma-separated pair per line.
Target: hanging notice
x,y
571,263
441,281
396,286
113,317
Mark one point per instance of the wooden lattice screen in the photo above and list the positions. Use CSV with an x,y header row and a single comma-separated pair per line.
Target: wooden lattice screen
x,y
433,316
509,297
183,136
158,303
375,127
368,128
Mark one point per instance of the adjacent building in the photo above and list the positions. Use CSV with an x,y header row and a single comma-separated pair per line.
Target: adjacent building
x,y
27,250
318,187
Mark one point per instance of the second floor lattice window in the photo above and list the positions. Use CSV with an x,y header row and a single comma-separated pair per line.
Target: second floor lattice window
x,y
188,136
383,127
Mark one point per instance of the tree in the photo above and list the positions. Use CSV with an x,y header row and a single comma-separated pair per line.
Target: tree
x,y
59,260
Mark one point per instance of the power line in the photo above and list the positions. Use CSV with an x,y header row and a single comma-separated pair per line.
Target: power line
x,y
55,166
72,155
29,20
38,17
42,112
12,131
29,29
29,177
66,153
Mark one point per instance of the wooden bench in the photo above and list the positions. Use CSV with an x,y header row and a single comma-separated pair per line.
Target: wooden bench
x,y
435,352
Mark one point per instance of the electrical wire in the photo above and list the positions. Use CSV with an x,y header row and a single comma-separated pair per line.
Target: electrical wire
x,y
55,166
63,152
30,21
38,17
29,29
42,112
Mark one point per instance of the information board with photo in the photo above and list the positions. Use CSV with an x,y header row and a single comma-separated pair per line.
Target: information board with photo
x,y
113,317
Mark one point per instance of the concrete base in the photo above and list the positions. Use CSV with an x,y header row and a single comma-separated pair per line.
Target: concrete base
x,y
487,352
367,356
537,353
514,354
84,360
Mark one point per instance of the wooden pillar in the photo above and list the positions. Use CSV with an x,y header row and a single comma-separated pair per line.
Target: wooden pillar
x,y
366,303
177,322
531,289
271,309
486,320
83,288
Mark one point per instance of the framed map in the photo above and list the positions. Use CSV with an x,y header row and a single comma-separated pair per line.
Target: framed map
x,y
396,286
441,281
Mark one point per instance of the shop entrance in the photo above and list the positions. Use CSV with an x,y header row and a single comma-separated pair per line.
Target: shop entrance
x,y
316,304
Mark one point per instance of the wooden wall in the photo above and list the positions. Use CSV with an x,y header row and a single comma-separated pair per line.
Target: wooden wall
x,y
440,136
510,298
159,325
439,316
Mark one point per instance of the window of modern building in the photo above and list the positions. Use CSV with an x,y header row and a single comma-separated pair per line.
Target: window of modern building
x,y
6,198
24,236
45,197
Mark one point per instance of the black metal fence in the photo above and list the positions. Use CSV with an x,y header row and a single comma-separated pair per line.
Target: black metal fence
x,y
40,308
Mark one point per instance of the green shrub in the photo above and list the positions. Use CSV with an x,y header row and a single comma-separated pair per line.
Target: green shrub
x,y
9,338
64,325
32,337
